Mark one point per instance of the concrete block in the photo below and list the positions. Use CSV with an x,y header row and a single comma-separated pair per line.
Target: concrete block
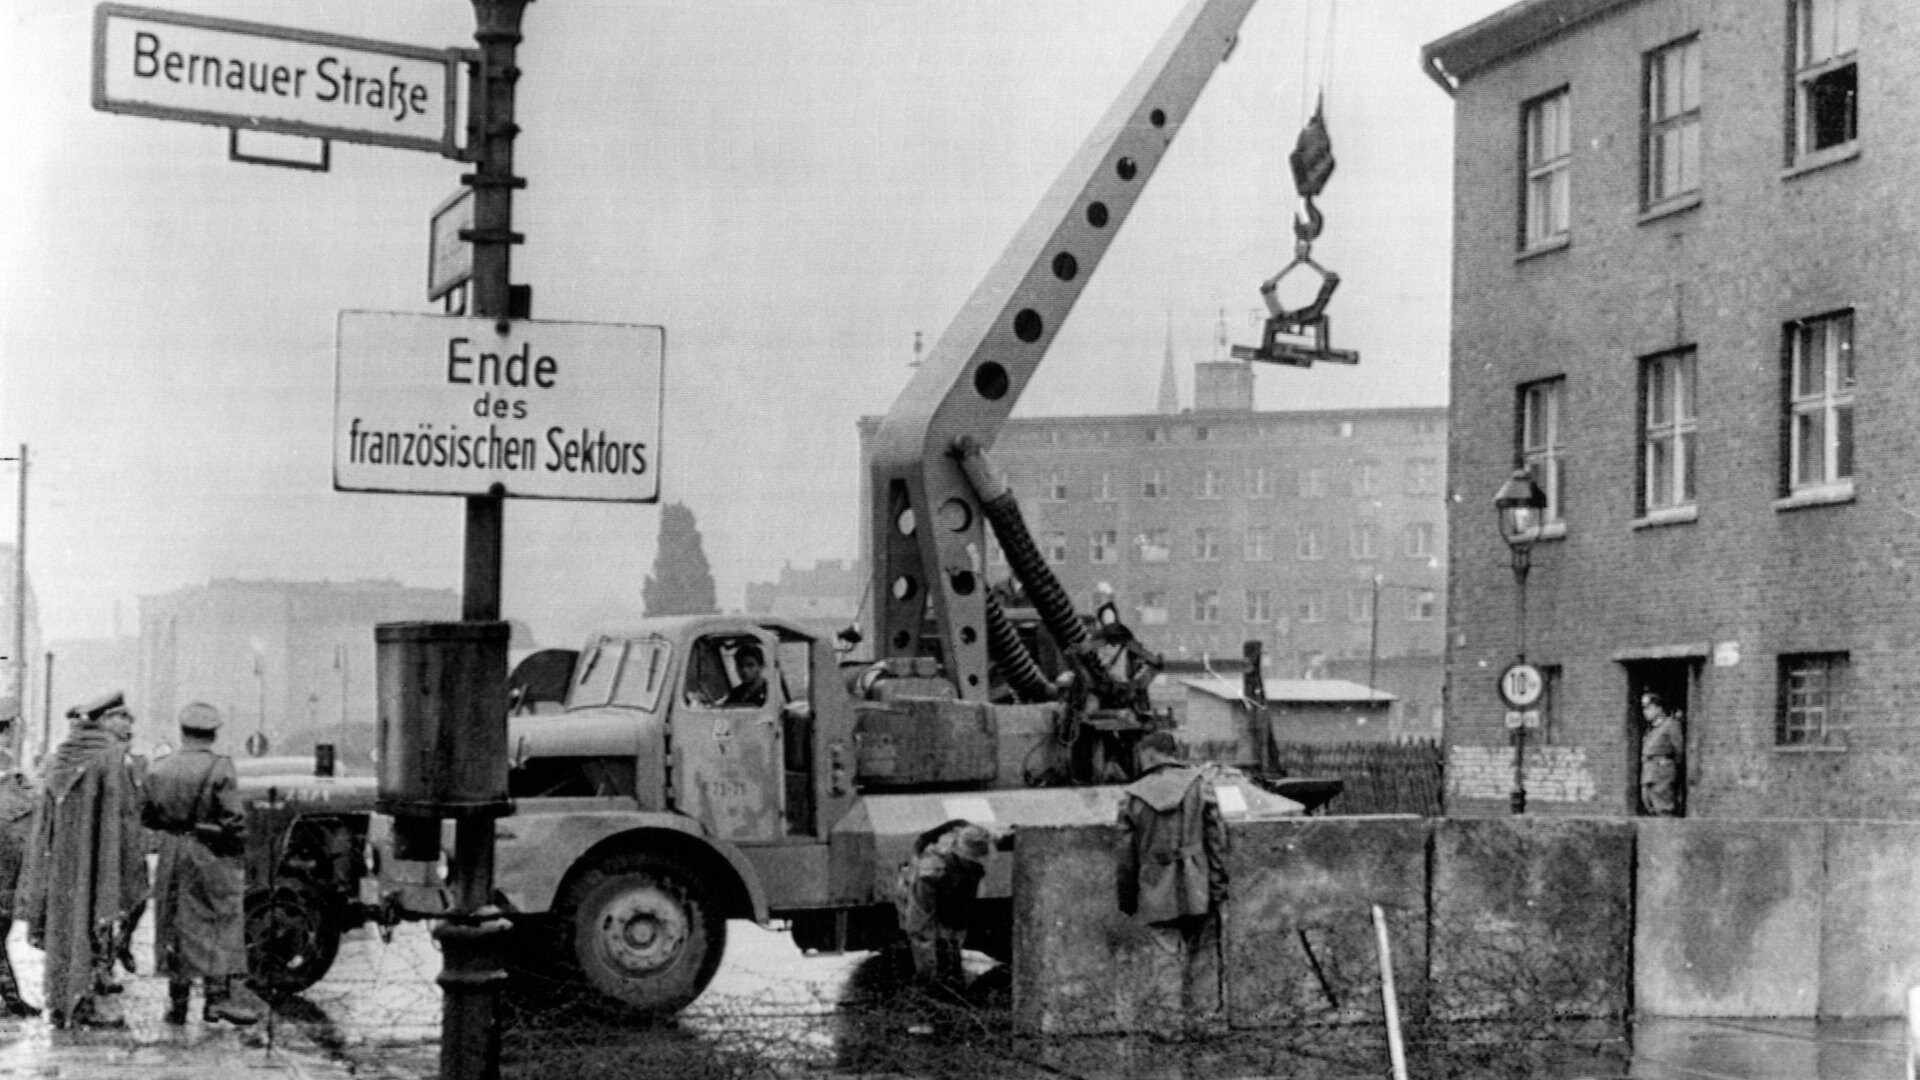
x,y
1531,918
1300,942
1728,917
1870,918
1081,967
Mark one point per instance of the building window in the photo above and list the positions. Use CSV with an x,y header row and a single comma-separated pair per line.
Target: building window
x,y
1366,482
1153,608
1360,540
1153,484
1313,482
1549,152
1307,542
1826,100
1420,539
1260,483
1056,487
1259,543
1056,547
1206,606
1312,608
1343,429
1156,435
1820,405
1667,438
1423,606
1259,605
1105,546
1360,605
1541,450
1206,545
1423,476
1154,546
1673,121
1213,482
1202,433
1813,700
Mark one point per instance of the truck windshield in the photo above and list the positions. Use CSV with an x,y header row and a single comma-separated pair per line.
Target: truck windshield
x,y
617,672
642,672
593,686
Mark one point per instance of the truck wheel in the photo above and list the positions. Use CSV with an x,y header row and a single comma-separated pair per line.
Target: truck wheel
x,y
644,932
291,937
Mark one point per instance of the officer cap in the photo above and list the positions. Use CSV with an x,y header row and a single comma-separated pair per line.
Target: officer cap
x,y
101,706
199,718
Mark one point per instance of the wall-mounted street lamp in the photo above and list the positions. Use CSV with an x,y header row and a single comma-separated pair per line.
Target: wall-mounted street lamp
x,y
1520,503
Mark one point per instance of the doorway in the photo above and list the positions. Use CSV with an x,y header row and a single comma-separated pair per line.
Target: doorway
x,y
1675,681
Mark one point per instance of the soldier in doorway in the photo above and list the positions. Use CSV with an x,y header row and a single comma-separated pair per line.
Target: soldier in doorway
x,y
193,802
1173,868
1663,758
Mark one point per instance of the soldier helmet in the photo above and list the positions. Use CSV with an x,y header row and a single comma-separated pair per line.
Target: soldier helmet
x,y
199,718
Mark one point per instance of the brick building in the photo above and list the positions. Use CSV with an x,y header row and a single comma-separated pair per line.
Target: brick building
x,y
1674,221
293,659
1223,523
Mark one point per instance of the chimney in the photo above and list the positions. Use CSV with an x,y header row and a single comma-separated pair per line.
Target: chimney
x,y
1223,386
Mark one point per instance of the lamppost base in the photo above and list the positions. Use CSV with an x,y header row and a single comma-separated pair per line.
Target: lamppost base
x,y
1517,802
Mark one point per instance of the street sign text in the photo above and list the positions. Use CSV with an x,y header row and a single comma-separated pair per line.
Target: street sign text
x,y
246,75
453,406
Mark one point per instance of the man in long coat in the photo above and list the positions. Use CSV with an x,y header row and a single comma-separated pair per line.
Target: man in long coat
x,y
82,851
199,932
1173,867
17,804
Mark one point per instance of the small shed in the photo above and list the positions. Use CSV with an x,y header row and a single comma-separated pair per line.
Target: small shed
x,y
1220,725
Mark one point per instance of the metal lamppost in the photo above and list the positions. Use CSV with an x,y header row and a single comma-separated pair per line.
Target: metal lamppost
x,y
1520,503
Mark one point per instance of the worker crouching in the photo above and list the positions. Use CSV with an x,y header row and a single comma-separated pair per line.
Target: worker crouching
x,y
938,890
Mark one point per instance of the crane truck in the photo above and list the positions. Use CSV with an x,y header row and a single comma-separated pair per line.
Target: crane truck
x,y
652,802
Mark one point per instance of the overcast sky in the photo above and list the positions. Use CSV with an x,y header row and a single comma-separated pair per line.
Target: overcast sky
x,y
792,188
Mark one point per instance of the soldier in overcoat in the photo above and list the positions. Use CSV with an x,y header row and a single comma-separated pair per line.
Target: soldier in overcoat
x,y
83,850
1173,867
16,826
193,805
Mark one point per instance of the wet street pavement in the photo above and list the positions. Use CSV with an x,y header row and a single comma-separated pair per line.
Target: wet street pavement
x,y
775,1013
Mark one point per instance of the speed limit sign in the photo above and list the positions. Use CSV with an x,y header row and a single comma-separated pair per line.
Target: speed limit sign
x,y
1521,686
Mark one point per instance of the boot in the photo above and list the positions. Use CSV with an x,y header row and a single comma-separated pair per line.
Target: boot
x,y
10,998
123,945
177,995
99,1014
223,1004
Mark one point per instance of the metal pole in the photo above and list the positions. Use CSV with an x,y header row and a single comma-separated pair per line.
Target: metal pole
x,y
16,738
1373,641
470,937
46,709
1522,563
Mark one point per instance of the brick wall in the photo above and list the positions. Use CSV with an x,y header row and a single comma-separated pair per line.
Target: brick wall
x,y
1746,581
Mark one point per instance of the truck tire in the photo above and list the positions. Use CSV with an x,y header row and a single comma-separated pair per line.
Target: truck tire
x,y
643,932
292,938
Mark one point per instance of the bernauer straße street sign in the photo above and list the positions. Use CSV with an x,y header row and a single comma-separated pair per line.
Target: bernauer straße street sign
x,y
237,74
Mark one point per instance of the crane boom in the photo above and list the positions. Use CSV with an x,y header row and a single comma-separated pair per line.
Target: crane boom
x,y
927,544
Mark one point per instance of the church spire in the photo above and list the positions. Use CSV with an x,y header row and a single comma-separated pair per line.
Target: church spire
x,y
1169,404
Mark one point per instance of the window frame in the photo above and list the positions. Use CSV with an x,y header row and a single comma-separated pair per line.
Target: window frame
x,y
1551,166
1679,432
1828,731
1658,125
1103,547
1206,544
1259,543
1809,65
1539,447
1259,605
1833,404
1306,543
1206,607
